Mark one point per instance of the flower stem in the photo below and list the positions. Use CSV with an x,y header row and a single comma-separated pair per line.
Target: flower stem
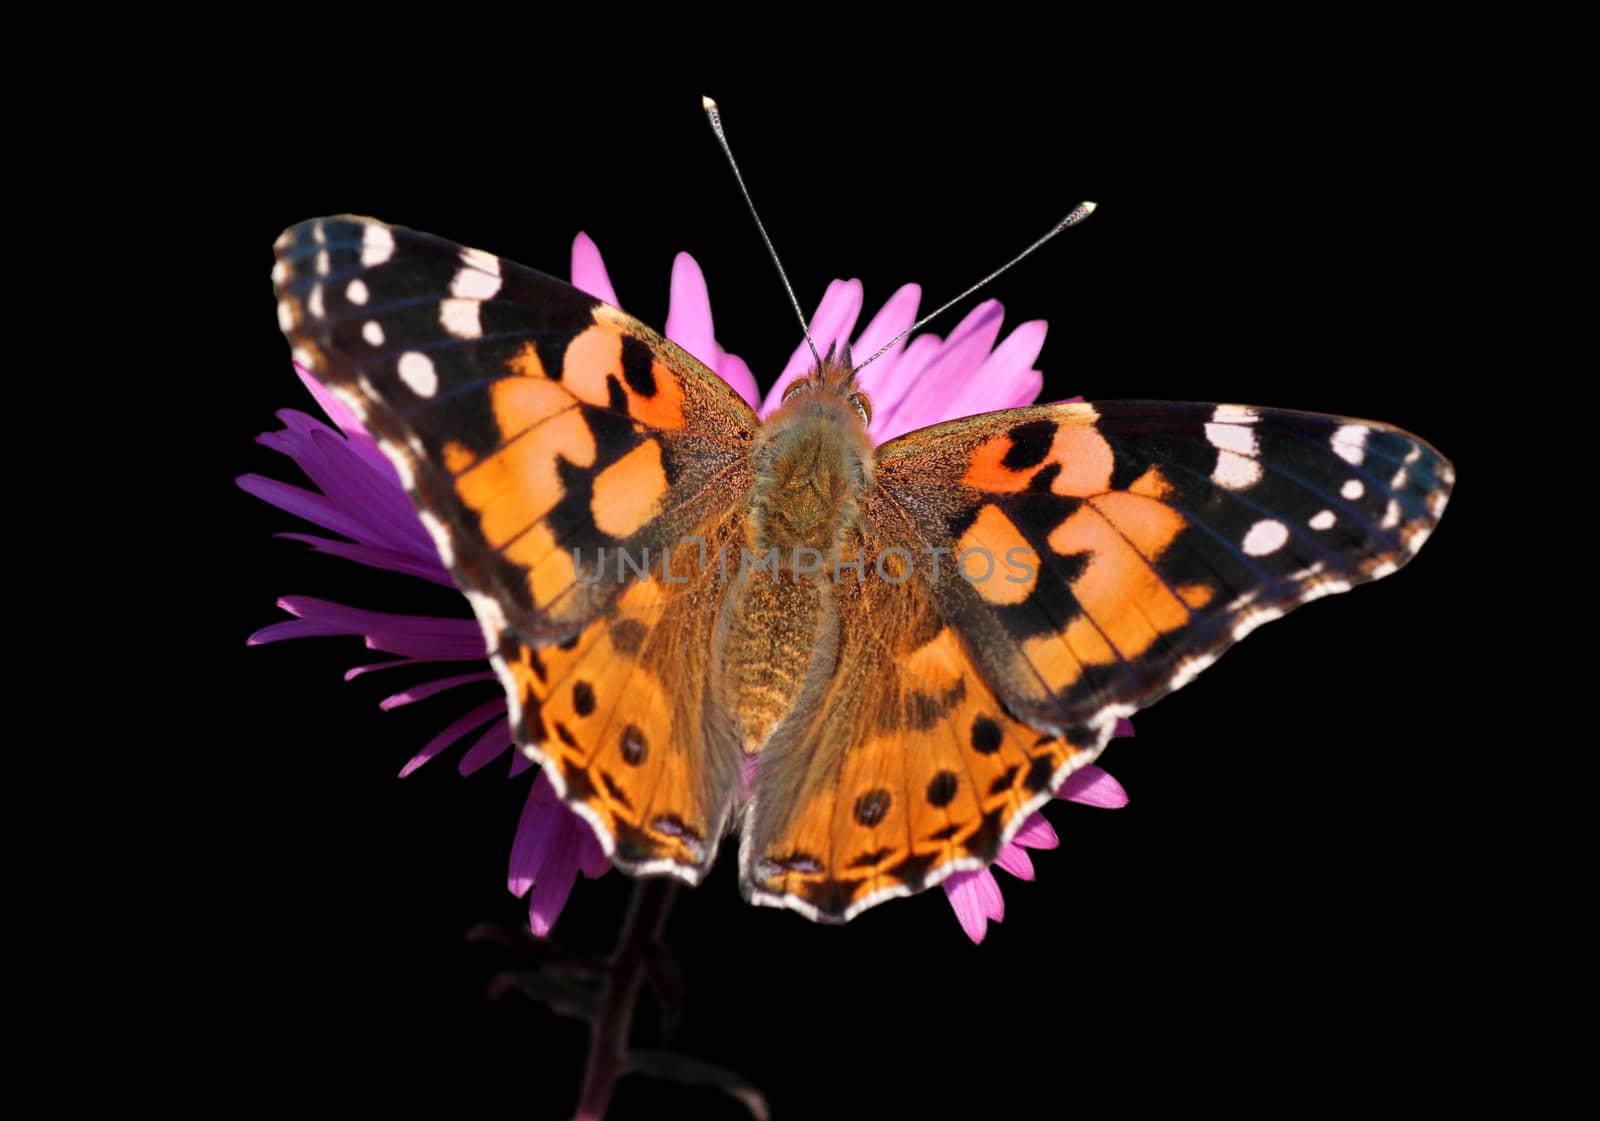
x,y
608,1034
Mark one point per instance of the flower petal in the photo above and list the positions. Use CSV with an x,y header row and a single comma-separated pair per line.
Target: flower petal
x,y
338,412
589,270
591,857
453,731
1093,787
975,897
374,557
556,875
1014,859
1006,379
490,746
519,763
430,689
944,377
736,373
689,312
834,320
898,313
534,829
1036,833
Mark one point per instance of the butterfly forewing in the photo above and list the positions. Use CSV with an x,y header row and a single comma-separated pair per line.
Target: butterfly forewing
x,y
1161,533
539,431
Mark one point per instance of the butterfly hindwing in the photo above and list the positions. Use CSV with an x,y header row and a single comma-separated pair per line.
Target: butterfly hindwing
x,y
541,432
911,768
1152,535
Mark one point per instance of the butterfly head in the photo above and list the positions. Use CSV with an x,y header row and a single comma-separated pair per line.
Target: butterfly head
x,y
813,460
832,377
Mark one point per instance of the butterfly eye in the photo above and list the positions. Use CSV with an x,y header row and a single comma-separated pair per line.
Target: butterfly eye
x,y
863,406
797,386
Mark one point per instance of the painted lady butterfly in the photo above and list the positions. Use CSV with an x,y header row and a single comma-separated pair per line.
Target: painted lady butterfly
x,y
875,663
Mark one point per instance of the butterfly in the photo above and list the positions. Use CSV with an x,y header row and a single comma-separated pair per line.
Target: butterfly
x,y
873,664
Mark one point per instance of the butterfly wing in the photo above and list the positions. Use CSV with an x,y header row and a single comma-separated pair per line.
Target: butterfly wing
x,y
534,427
1072,563
911,768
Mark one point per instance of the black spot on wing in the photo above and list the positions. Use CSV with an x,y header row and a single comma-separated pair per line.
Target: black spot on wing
x,y
986,735
942,788
1030,443
871,807
1003,781
637,363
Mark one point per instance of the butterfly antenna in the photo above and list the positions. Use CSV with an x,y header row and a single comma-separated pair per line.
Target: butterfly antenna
x,y
1078,214
722,138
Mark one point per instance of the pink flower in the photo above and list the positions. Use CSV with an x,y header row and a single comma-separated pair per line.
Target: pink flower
x,y
358,498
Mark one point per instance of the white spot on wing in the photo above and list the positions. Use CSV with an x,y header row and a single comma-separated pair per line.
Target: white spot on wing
x,y
1391,515
478,259
1232,437
1322,519
280,271
416,370
373,332
322,263
377,245
1266,536
1235,414
1349,443
472,283
461,319
356,292
285,315
314,303
1236,472
1352,489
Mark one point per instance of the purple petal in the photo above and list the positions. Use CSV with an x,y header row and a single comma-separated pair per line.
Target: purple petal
x,y
734,371
454,731
293,628
519,763
431,689
489,747
539,820
1124,728
892,396
556,875
1006,379
944,378
1014,859
1036,834
591,857
315,508
338,412
415,630
374,557
689,312
1093,787
835,318
373,667
975,898
893,317
589,271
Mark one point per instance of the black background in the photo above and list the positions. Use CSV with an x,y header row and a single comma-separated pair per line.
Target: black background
x,y
1276,895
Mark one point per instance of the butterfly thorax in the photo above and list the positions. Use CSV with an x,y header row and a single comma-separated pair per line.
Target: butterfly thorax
x,y
813,462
